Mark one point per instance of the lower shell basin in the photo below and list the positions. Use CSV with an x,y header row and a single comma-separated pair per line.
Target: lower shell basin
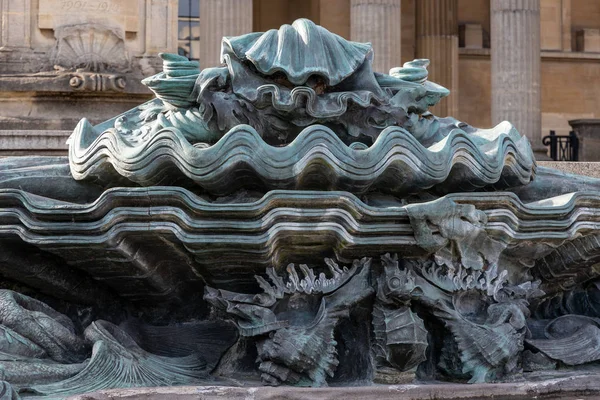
x,y
157,244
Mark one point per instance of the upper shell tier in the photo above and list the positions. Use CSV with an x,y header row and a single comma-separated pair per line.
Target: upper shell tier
x,y
245,125
299,50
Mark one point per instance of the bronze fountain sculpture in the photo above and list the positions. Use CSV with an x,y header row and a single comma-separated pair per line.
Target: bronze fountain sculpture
x,y
293,218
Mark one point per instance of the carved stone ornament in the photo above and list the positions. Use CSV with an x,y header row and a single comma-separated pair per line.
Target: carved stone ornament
x,y
97,82
289,218
96,53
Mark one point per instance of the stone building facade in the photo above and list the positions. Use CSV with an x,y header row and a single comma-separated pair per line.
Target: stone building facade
x,y
534,62
64,59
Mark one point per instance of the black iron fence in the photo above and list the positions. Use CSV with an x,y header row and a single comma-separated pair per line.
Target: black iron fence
x,y
562,147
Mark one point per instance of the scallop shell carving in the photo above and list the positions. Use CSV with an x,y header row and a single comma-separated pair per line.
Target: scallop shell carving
x,y
299,50
90,48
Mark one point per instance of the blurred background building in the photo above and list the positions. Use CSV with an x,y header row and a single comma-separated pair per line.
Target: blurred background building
x,y
533,62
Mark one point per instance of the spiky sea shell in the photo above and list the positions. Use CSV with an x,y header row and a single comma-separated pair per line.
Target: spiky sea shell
x,y
488,349
309,353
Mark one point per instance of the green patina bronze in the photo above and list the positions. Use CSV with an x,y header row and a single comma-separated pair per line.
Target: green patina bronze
x,y
292,218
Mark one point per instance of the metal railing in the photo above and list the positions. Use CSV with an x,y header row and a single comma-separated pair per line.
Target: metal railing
x,y
562,147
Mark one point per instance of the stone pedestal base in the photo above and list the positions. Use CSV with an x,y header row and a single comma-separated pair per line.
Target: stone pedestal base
x,y
582,386
29,142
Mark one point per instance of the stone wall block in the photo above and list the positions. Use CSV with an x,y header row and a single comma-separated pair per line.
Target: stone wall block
x,y
16,23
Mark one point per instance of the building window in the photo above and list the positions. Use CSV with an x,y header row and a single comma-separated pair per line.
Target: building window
x,y
189,29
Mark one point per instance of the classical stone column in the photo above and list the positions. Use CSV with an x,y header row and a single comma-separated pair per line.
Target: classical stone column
x,y
378,22
437,40
515,42
220,18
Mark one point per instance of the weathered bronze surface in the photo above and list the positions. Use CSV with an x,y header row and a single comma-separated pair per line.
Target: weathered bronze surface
x,y
293,218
